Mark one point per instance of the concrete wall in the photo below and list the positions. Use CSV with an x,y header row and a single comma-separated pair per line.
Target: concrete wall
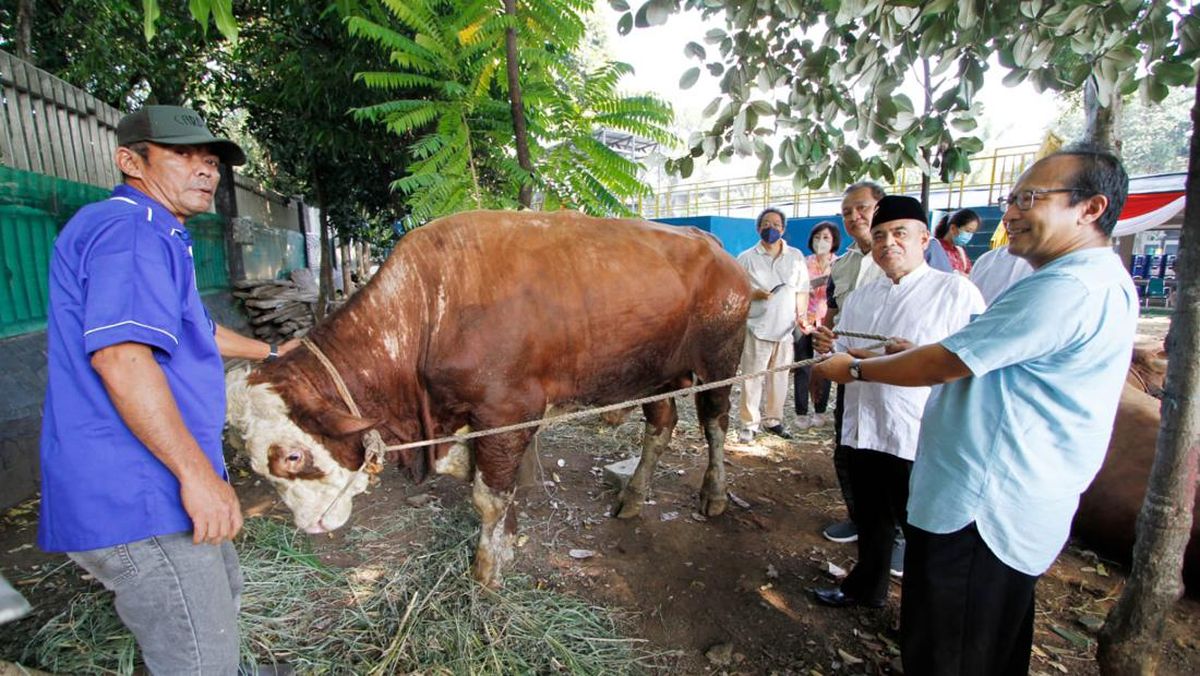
x,y
265,207
23,382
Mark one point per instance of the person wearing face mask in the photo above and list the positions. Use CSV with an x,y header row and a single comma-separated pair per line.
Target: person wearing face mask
x,y
954,232
823,241
778,304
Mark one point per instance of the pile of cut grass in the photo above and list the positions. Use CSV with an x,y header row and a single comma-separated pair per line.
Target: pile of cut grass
x,y
415,612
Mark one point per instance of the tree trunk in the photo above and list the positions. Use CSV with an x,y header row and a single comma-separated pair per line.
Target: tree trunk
x,y
24,38
347,268
925,178
925,181
364,261
325,288
1102,118
1131,639
518,108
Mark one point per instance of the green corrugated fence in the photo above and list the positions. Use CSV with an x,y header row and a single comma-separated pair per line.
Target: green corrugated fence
x,y
208,252
33,208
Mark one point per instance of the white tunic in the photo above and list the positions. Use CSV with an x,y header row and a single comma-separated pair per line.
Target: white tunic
x,y
997,270
925,307
774,318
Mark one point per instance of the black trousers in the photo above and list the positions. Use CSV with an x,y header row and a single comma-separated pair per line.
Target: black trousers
x,y
806,386
841,454
880,482
963,611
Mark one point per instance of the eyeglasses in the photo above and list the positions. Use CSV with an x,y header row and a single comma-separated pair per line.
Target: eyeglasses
x,y
1024,200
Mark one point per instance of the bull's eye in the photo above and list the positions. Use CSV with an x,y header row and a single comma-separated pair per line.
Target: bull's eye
x,y
291,463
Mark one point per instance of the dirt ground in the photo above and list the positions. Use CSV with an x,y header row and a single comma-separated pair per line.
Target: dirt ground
x,y
725,595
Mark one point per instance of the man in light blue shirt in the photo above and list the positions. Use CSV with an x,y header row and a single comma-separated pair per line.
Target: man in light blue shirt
x,y
1020,425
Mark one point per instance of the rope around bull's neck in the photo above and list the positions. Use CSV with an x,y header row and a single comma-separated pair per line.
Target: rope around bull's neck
x,y
565,417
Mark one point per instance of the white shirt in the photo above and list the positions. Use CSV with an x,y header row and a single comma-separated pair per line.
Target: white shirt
x,y
850,271
997,270
774,318
924,307
868,271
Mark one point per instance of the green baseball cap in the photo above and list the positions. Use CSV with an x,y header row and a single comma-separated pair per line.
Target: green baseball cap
x,y
175,126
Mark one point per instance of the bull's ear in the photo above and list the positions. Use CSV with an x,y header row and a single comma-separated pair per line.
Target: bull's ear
x,y
338,424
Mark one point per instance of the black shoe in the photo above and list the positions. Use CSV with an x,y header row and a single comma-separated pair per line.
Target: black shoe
x,y
835,598
842,531
778,431
897,567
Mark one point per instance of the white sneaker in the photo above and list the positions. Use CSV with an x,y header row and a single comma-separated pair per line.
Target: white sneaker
x,y
803,422
817,419
13,606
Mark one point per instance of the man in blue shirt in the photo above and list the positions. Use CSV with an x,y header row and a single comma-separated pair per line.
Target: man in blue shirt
x,y
134,486
1020,425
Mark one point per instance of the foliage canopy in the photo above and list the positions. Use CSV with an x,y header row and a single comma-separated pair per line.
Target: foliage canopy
x,y
447,59
813,87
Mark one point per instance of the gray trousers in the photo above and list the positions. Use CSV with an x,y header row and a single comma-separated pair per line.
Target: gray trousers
x,y
179,599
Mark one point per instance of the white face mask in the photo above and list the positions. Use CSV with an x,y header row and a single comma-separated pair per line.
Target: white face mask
x,y
822,246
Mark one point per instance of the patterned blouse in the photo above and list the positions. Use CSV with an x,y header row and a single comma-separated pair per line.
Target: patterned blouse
x,y
957,255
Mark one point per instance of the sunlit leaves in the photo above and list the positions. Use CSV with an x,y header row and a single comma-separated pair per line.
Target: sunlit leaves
x,y
840,89
452,52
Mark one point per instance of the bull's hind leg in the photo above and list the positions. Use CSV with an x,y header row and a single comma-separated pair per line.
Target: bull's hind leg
x,y
496,460
660,424
712,408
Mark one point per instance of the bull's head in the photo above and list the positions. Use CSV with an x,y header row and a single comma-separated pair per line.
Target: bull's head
x,y
314,483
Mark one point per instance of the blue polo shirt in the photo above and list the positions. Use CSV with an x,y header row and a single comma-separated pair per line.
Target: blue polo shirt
x,y
122,271
1012,446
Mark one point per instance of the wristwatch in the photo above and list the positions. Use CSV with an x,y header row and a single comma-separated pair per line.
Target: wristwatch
x,y
856,370
274,353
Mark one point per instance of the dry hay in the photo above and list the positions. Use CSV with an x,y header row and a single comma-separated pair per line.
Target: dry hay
x,y
412,612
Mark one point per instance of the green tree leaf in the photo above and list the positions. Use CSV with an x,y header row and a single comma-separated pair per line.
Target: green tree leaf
x,y
689,78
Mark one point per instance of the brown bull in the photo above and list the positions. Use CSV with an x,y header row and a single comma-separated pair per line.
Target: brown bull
x,y
1108,510
485,319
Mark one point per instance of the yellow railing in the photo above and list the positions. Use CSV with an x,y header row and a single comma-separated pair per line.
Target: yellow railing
x,y
991,170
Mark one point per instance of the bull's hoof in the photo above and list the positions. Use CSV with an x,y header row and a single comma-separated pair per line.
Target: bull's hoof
x,y
713,506
486,575
628,506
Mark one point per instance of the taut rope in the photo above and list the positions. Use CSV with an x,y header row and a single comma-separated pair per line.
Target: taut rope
x,y
376,450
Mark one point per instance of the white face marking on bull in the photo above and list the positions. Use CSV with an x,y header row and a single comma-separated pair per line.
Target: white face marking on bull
x,y
258,422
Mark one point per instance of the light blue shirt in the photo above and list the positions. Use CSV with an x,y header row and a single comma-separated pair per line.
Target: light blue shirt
x,y
1012,446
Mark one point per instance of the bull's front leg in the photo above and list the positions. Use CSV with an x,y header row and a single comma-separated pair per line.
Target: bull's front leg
x,y
660,424
495,549
496,461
